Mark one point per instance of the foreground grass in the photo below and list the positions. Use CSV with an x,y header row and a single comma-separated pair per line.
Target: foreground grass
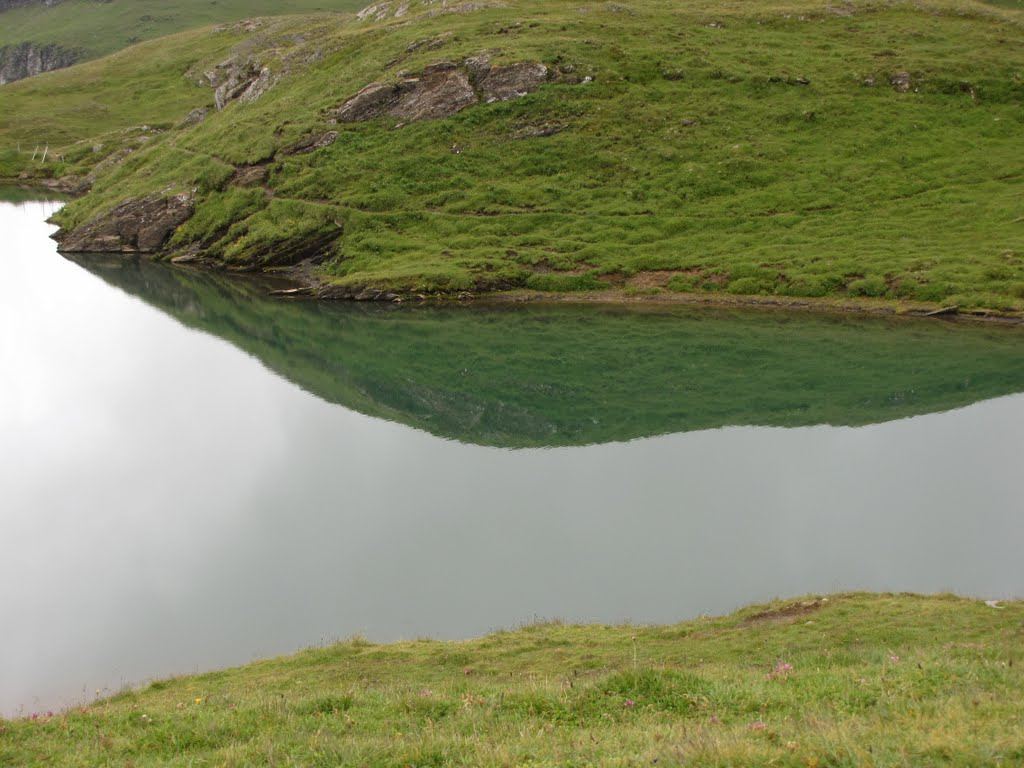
x,y
850,680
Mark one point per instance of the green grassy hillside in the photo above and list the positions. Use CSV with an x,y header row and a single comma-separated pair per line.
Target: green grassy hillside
x,y
798,148
849,680
97,27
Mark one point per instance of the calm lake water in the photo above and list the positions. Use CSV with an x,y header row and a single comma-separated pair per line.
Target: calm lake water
x,y
194,475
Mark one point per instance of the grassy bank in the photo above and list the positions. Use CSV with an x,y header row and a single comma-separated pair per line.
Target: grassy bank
x,y
851,680
785,149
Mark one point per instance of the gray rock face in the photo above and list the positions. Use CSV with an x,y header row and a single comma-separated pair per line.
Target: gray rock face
x,y
504,83
443,90
312,143
244,81
136,226
397,9
900,81
6,5
195,117
27,59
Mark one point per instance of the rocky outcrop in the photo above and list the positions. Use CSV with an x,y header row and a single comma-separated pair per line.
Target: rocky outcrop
x,y
6,5
195,117
27,59
141,225
513,81
443,90
239,80
312,143
249,176
397,9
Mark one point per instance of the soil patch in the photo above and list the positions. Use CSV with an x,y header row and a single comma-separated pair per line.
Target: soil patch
x,y
788,612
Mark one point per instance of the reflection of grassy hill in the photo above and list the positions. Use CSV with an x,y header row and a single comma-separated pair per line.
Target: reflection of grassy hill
x,y
99,27
565,375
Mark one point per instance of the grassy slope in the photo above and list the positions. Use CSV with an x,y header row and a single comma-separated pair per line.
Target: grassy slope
x,y
732,177
871,681
551,375
98,28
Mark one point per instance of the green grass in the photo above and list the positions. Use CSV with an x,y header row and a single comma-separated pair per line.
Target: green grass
x,y
97,27
851,680
695,162
570,375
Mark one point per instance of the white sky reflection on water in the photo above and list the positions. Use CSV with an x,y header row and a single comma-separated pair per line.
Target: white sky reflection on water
x,y
170,506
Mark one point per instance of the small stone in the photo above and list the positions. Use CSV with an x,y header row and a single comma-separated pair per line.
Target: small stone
x,y
900,81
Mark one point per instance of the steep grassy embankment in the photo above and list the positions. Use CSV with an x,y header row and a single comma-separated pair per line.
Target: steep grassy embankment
x,y
852,680
795,148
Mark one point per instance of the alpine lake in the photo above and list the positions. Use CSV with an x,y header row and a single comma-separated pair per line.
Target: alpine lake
x,y
195,474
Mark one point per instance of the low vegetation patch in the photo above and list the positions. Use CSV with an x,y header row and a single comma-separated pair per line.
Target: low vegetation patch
x,y
851,680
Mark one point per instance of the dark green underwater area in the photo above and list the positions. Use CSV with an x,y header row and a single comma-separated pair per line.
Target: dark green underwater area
x,y
562,375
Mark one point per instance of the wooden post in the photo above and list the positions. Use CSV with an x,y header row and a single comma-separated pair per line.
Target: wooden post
x,y
45,151
35,153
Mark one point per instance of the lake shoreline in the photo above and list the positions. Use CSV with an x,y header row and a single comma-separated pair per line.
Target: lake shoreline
x,y
297,283
300,281
309,287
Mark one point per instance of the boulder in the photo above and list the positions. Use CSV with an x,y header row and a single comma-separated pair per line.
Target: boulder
x,y
900,81
141,225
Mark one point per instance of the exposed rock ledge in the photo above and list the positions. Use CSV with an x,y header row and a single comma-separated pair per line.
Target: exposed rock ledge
x,y
397,9
443,90
27,59
137,226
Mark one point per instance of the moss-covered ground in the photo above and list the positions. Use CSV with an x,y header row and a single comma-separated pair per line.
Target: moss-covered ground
x,y
849,680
